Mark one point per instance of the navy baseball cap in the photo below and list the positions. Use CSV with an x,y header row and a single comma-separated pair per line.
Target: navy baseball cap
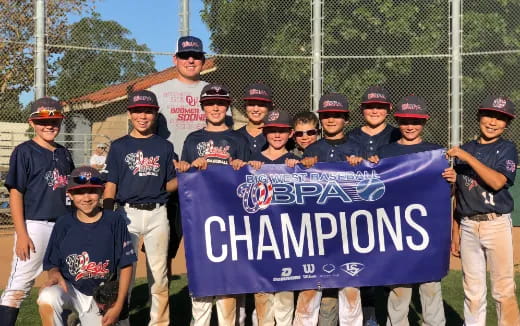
x,y
376,94
333,102
142,99
85,177
215,92
411,107
189,44
46,108
499,104
258,92
277,118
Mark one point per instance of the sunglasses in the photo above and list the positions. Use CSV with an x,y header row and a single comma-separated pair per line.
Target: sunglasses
x,y
47,114
84,180
310,132
187,55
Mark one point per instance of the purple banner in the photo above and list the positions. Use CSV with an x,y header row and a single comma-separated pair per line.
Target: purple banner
x,y
330,226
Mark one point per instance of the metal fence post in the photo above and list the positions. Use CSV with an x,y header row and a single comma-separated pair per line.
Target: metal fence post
x,y
317,51
39,52
184,15
455,71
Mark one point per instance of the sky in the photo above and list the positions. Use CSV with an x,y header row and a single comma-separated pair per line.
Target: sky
x,y
154,23
151,22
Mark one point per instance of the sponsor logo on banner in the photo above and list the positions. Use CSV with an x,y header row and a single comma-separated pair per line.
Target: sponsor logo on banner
x,y
259,191
352,269
329,268
308,268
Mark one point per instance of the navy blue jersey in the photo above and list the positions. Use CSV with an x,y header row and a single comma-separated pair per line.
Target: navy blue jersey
x,y
396,149
141,167
473,195
370,144
258,156
333,150
88,253
218,147
256,144
41,176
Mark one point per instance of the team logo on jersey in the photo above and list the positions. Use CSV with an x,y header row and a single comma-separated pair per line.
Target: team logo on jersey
x,y
510,166
212,153
143,166
81,267
55,180
259,191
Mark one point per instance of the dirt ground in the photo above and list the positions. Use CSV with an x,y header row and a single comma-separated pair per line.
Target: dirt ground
x,y
6,254
179,263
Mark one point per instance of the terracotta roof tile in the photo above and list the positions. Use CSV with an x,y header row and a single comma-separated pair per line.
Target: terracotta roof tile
x,y
113,92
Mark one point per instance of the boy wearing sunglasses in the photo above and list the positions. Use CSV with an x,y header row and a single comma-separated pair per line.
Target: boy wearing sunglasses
x,y
214,144
306,131
36,181
140,176
86,248
334,147
411,114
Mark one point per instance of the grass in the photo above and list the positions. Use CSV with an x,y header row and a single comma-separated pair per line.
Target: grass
x,y
180,305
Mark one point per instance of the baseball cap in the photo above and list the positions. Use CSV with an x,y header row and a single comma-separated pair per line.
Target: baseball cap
x,y
46,108
189,44
85,177
215,92
140,99
277,118
411,107
499,104
333,102
376,94
259,92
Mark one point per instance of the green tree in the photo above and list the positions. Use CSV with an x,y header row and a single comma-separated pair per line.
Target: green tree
x,y
16,44
416,30
85,70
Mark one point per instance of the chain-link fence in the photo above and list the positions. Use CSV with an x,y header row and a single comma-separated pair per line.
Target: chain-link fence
x,y
402,45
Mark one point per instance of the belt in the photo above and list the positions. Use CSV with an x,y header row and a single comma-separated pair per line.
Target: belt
x,y
483,217
144,206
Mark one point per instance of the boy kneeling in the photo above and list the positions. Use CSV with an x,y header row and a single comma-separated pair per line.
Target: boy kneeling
x,y
86,247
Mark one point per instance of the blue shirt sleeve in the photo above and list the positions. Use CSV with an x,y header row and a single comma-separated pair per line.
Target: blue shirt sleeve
x,y
113,164
17,177
507,162
311,151
170,168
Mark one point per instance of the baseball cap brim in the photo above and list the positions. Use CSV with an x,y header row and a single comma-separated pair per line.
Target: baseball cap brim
x,y
279,125
84,186
263,99
411,115
142,106
332,110
51,117
499,111
207,98
192,50
376,102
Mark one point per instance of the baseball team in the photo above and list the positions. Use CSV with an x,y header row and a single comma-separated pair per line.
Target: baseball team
x,y
62,228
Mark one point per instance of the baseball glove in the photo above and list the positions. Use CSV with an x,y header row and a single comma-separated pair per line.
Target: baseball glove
x,y
105,296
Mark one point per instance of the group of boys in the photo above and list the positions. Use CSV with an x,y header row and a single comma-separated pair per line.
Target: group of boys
x,y
89,245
